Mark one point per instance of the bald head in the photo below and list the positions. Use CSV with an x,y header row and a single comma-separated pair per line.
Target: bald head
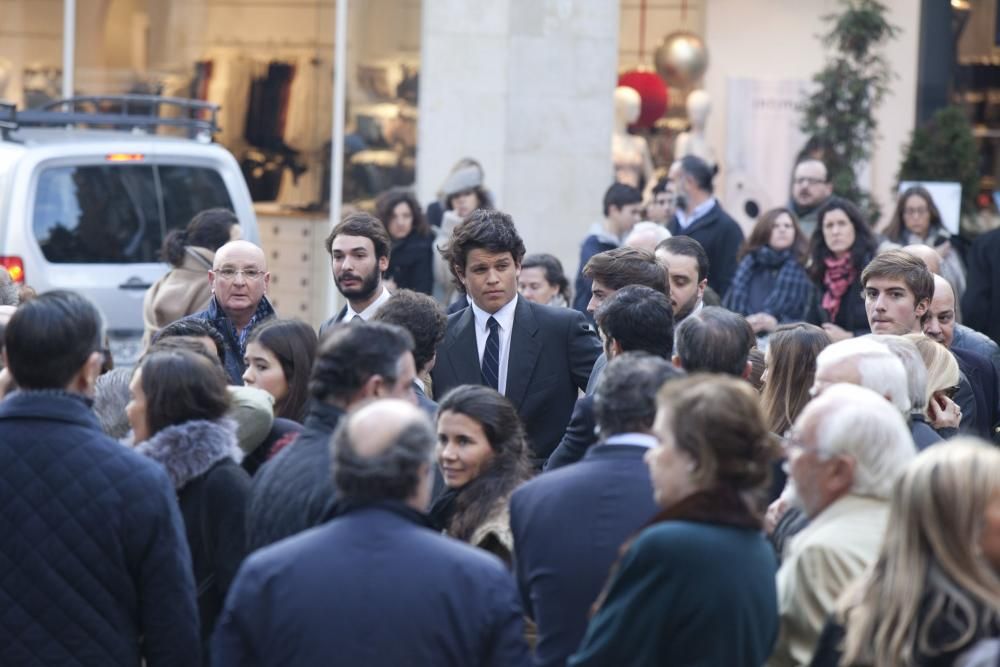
x,y
239,280
375,427
927,254
383,451
940,322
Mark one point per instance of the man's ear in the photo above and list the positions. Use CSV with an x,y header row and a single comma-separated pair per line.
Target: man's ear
x,y
922,307
86,378
842,476
615,348
383,264
676,361
747,370
460,272
373,387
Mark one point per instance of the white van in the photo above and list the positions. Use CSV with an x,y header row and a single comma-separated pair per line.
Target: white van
x,y
87,209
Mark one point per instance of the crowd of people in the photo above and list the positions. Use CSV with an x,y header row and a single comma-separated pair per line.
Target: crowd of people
x,y
703,450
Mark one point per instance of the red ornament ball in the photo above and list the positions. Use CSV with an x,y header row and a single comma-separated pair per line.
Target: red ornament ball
x,y
652,91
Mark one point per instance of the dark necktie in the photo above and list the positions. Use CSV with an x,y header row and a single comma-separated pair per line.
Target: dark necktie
x,y
491,356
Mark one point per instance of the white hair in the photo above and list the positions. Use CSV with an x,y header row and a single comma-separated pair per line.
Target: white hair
x,y
657,231
878,368
913,363
858,423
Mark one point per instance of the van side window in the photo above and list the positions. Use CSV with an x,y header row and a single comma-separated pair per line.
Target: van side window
x,y
112,213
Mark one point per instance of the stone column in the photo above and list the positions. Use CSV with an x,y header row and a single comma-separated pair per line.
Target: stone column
x,y
526,87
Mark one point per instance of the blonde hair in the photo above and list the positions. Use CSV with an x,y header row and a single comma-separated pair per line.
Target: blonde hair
x,y
929,570
942,369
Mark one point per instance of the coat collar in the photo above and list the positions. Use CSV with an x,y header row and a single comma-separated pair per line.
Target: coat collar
x,y
615,452
190,449
720,505
264,310
50,404
322,416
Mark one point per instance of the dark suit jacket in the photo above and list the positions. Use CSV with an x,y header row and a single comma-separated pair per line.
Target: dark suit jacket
x,y
981,301
568,526
581,433
375,586
721,237
552,351
979,371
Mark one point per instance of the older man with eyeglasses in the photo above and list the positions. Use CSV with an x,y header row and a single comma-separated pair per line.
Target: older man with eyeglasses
x,y
811,187
239,280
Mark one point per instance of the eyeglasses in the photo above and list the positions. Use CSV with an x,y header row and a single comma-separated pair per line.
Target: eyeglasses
x,y
916,210
808,180
230,274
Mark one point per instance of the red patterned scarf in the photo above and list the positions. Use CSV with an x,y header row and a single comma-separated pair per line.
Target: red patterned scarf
x,y
840,273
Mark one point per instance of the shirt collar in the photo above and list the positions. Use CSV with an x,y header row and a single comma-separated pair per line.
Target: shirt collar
x,y
699,212
636,439
372,308
505,316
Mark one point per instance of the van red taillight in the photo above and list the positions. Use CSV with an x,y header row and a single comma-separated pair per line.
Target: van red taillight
x,y
15,267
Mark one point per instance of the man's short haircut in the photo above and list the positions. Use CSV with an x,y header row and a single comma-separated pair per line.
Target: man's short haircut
x,y
619,267
913,364
193,327
687,246
640,319
858,423
10,292
49,339
366,225
625,401
620,195
422,316
484,229
661,185
354,352
393,473
901,265
714,340
879,369
699,170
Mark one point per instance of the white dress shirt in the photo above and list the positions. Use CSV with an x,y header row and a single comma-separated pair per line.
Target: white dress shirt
x,y
372,308
700,211
637,439
505,317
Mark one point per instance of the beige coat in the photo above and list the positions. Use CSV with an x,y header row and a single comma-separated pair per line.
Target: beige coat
x,y
831,552
182,291
494,534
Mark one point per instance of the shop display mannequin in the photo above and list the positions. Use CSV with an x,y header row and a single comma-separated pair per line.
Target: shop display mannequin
x,y
630,155
693,142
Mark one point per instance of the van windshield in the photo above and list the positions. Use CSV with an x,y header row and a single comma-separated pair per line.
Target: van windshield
x,y
118,213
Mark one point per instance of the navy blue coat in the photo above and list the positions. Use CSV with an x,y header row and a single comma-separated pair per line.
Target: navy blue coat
x,y
721,237
96,568
373,587
581,433
552,352
568,526
294,490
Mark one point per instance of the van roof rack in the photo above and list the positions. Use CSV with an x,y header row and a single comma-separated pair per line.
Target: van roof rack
x,y
199,118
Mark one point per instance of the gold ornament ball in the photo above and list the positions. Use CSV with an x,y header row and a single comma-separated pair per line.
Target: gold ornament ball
x,y
681,60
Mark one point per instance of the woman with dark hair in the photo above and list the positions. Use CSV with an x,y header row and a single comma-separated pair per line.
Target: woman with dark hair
x,y
185,290
411,261
179,400
483,456
917,221
933,595
543,281
696,586
841,247
771,286
279,360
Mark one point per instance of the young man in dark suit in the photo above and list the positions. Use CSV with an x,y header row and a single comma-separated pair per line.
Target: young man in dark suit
x,y
569,524
539,357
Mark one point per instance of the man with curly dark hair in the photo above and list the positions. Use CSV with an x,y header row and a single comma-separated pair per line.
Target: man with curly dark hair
x,y
537,356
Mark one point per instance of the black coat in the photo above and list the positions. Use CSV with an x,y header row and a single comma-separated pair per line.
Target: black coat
x,y
349,593
200,459
568,526
92,545
851,317
294,490
981,301
411,263
721,237
982,377
581,433
552,351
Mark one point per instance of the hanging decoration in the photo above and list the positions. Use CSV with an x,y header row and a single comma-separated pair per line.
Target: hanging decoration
x,y
681,60
644,81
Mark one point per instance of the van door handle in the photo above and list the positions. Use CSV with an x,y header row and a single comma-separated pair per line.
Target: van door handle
x,y
135,282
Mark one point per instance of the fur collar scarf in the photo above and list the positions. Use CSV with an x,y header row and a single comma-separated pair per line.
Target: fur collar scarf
x,y
190,449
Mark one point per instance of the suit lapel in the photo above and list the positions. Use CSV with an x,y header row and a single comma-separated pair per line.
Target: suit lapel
x,y
524,351
462,353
